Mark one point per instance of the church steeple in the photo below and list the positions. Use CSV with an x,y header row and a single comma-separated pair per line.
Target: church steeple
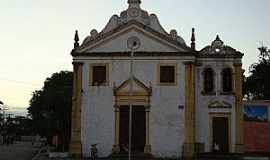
x,y
134,3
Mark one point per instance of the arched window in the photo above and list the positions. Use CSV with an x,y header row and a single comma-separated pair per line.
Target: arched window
x,y
208,77
227,80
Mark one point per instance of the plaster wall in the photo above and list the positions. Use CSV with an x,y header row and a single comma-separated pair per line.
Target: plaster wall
x,y
166,119
254,142
97,112
148,43
203,128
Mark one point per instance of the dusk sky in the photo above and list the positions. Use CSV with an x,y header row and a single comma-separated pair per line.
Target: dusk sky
x,y
36,36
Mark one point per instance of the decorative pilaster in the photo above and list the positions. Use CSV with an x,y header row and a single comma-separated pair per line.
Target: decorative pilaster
x,y
147,147
239,148
189,146
116,146
75,146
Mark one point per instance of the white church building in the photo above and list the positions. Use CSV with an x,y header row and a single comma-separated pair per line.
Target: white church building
x,y
184,101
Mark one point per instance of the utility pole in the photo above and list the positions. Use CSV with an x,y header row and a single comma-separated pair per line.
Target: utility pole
x,y
1,123
133,44
130,106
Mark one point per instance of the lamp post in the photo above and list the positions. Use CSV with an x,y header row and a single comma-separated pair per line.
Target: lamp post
x,y
133,44
1,123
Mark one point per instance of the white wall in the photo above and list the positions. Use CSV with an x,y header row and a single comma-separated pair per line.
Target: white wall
x,y
202,102
97,113
148,42
166,119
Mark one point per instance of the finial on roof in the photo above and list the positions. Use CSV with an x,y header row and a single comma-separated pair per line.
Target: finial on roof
x,y
217,43
193,39
134,3
76,40
217,38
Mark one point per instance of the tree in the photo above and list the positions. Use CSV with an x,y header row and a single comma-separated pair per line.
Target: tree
x,y
50,107
256,85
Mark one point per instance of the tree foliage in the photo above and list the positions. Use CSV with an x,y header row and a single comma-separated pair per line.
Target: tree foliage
x,y
16,126
50,107
256,85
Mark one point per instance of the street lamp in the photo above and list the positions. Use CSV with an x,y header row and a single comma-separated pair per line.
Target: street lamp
x,y
1,103
133,43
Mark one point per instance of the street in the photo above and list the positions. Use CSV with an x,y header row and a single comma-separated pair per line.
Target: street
x,y
18,151
27,151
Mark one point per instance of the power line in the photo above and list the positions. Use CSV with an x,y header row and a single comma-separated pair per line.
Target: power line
x,y
19,82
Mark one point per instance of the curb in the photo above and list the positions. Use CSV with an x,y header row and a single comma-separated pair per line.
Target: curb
x,y
41,150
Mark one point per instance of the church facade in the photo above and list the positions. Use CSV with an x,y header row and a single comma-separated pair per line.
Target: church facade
x,y
182,101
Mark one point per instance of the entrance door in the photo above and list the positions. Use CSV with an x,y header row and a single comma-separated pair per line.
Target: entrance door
x,y
220,134
138,128
124,128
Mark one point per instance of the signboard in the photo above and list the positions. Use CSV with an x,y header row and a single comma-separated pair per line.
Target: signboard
x,y
255,112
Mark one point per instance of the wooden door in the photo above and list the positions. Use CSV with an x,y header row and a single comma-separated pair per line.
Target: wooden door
x,y
138,128
124,128
220,134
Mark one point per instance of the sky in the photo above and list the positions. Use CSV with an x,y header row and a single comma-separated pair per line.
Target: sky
x,y
36,36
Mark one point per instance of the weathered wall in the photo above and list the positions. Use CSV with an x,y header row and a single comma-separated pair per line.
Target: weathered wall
x,y
203,125
166,119
97,113
257,136
148,43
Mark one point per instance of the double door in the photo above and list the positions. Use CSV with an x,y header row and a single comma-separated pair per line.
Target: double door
x,y
138,129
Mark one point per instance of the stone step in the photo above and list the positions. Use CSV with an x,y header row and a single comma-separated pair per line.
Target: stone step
x,y
139,156
255,158
212,156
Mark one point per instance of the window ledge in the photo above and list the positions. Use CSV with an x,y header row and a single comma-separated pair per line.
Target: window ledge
x,y
227,93
208,93
167,84
219,107
99,85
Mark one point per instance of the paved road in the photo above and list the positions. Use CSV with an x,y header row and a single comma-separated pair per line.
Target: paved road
x,y
18,151
45,157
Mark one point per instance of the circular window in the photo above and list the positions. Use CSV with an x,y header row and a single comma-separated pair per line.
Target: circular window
x,y
133,43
